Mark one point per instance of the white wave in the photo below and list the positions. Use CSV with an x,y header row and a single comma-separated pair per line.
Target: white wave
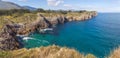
x,y
41,41
20,35
47,29
27,38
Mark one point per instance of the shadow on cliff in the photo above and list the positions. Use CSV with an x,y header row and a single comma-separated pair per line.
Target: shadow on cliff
x,y
50,25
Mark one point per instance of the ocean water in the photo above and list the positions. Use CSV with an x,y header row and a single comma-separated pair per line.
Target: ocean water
x,y
99,35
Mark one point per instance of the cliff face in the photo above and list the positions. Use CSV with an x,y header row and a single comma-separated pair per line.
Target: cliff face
x,y
43,22
8,36
8,39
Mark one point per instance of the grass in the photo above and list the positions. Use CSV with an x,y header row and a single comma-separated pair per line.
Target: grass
x,y
30,17
115,53
44,52
51,52
17,18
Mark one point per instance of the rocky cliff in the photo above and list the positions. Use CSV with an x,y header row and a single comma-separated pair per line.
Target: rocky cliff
x,y
8,38
50,21
8,35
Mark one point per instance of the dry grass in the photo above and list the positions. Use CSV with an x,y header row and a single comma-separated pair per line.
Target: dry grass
x,y
45,52
27,17
51,52
30,17
115,53
42,52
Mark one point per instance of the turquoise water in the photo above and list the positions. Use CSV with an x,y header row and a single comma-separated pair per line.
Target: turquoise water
x,y
96,36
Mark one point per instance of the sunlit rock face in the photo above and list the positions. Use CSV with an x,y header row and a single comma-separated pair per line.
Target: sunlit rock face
x,y
8,36
50,21
8,39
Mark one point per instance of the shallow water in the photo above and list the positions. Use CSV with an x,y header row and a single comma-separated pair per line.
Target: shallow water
x,y
96,36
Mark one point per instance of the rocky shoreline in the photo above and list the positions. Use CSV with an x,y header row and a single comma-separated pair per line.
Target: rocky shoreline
x,y
43,22
8,35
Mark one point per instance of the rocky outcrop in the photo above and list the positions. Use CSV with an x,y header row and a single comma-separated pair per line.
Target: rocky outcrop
x,y
8,39
8,36
43,22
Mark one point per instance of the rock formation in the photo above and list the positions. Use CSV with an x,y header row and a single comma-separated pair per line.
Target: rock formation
x,y
8,36
43,22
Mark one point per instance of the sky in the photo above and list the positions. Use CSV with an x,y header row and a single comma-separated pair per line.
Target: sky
x,y
96,5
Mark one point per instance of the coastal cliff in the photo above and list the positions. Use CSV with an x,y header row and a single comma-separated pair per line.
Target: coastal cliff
x,y
50,21
8,35
8,38
12,47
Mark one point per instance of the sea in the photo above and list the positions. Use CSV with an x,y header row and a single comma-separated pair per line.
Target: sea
x,y
98,36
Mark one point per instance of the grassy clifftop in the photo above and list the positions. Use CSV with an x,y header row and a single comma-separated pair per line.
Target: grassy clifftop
x,y
30,17
24,21
51,52
17,18
44,52
115,53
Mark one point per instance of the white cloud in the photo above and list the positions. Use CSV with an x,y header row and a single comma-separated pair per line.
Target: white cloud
x,y
54,2
67,5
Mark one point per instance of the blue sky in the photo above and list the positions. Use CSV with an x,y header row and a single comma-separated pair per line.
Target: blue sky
x,y
98,5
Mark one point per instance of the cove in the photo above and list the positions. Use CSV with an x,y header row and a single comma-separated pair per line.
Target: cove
x,y
98,36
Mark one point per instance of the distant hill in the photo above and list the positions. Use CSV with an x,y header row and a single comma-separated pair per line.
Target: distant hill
x,y
8,5
4,5
30,8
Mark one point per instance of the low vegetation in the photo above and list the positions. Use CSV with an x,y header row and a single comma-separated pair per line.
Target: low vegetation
x,y
13,11
44,52
51,52
25,16
115,53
